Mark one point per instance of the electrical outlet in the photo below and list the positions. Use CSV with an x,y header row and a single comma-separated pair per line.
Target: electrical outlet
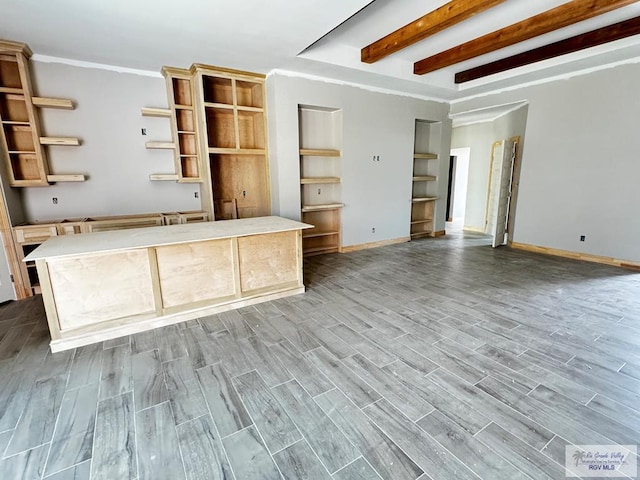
x,y
196,194
55,200
319,191
583,238
143,131
373,229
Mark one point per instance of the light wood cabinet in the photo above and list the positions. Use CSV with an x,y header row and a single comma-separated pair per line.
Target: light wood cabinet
x,y
232,117
28,237
219,129
424,181
320,139
21,140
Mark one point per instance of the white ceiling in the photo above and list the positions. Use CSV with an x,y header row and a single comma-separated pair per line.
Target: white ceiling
x,y
263,35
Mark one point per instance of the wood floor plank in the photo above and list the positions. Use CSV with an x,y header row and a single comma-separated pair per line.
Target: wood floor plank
x,y
298,462
202,452
265,362
27,465
158,450
358,470
248,456
513,421
358,391
85,369
114,443
227,410
236,325
330,341
81,471
270,418
377,448
73,438
170,343
395,392
560,384
116,377
212,324
363,345
232,356
481,460
184,393
298,334
263,329
148,380
616,411
455,409
37,423
402,352
143,342
16,388
202,349
302,369
326,440
519,454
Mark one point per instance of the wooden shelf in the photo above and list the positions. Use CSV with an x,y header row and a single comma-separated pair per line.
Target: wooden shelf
x,y
425,220
59,103
318,180
316,250
425,178
155,112
319,152
12,122
424,199
65,141
425,156
18,91
319,234
328,206
161,145
238,151
66,178
225,106
164,177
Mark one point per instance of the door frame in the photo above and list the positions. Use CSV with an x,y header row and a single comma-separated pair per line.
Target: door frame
x,y
515,182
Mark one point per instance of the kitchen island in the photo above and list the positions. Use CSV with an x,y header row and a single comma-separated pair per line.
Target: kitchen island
x,y
104,285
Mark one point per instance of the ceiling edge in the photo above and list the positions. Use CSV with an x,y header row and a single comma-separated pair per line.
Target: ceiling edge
x,y
99,66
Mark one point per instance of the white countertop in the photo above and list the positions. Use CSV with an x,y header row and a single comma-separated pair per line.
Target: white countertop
x,y
99,242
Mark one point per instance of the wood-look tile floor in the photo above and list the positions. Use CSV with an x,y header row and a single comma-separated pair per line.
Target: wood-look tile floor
x,y
437,359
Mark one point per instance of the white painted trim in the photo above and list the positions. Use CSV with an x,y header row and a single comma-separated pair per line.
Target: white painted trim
x,y
514,106
387,91
99,66
554,78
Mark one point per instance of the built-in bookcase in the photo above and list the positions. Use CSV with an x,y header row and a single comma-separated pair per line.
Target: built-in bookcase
x,y
320,141
425,179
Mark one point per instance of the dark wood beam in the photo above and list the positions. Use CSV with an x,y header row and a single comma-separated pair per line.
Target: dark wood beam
x,y
593,38
562,16
433,22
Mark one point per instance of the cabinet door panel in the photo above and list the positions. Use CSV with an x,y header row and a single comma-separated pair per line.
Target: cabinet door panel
x,y
94,289
268,260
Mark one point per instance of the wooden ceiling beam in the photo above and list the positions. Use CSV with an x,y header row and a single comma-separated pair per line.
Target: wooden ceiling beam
x,y
562,16
590,39
433,22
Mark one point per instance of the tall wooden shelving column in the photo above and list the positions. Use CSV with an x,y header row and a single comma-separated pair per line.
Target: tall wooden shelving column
x,y
21,139
424,181
232,118
320,141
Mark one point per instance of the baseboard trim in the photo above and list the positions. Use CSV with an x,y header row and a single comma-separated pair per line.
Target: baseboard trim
x,y
586,257
473,229
382,243
439,233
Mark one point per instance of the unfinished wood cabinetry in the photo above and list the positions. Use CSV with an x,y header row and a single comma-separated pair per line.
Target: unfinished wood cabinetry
x,y
424,181
232,119
28,237
181,113
21,139
320,141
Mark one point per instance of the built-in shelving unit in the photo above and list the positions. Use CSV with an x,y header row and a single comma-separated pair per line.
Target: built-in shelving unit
x,y
20,135
320,140
424,181
232,116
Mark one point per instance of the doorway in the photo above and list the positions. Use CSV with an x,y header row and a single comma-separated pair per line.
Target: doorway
x,y
457,189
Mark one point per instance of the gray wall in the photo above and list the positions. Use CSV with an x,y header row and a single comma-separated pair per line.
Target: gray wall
x,y
376,194
107,119
580,164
